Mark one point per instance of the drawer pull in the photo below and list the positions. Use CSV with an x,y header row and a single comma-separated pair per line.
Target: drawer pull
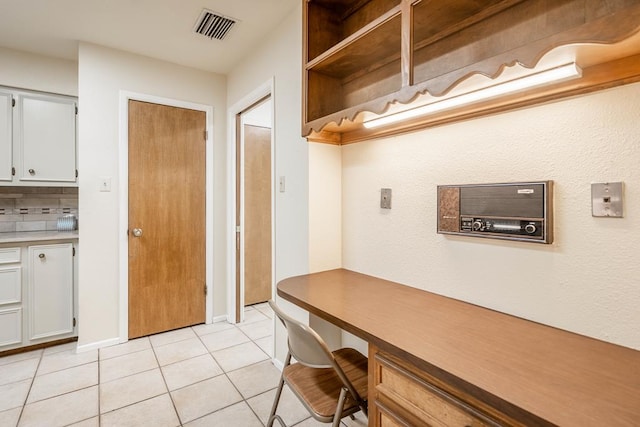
x,y
41,256
32,171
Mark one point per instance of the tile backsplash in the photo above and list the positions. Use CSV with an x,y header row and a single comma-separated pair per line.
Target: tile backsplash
x,y
35,208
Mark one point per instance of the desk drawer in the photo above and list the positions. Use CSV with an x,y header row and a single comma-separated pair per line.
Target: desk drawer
x,y
405,398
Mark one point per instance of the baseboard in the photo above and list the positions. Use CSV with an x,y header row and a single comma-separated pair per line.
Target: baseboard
x,y
222,318
278,364
96,345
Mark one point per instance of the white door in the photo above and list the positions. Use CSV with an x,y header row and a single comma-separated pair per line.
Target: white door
x,y
50,290
46,133
5,136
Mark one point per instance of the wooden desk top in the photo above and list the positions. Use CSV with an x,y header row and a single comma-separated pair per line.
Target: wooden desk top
x,y
561,377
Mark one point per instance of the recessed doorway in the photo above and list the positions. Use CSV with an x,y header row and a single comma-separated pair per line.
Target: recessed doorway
x,y
254,206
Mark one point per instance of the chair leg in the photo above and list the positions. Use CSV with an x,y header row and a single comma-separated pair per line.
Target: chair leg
x,y
365,410
272,415
338,415
276,417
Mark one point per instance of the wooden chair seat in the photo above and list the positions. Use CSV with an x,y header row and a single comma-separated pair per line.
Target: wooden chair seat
x,y
320,388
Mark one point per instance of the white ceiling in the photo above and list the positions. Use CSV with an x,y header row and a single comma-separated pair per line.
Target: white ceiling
x,y
160,29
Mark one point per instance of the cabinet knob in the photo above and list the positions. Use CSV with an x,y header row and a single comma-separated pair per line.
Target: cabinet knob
x,y
137,232
41,256
32,171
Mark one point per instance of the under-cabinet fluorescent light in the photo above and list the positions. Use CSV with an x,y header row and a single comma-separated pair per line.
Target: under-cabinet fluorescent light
x,y
540,78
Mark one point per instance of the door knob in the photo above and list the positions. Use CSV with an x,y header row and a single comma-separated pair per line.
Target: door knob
x,y
137,232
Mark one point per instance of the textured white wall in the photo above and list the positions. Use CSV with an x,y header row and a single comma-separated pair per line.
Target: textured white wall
x,y
103,73
36,72
280,58
587,281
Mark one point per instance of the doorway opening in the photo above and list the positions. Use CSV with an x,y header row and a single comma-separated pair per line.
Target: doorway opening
x,y
254,206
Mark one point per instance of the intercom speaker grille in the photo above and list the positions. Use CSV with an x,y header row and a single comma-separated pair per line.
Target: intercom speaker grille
x,y
213,25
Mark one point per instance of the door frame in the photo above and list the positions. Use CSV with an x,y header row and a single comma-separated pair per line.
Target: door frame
x,y
123,179
264,90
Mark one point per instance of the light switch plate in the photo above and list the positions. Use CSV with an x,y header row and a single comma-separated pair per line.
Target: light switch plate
x,y
385,198
105,183
606,199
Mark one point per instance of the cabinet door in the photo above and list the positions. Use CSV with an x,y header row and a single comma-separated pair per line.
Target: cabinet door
x,y
5,136
46,134
50,290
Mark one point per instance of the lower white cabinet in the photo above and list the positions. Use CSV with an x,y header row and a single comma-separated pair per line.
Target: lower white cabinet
x,y
50,290
37,293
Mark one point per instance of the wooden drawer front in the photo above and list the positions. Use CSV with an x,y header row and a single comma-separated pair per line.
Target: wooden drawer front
x,y
10,285
423,400
386,420
9,255
10,326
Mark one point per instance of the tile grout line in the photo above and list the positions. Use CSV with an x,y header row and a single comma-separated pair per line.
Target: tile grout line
x,y
164,380
225,373
33,379
99,389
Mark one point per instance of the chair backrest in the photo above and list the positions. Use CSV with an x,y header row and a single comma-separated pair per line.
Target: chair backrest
x,y
308,348
305,345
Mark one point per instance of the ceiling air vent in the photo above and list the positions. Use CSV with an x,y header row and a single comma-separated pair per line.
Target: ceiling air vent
x,y
213,25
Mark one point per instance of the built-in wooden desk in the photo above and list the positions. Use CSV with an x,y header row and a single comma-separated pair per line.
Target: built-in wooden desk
x,y
430,356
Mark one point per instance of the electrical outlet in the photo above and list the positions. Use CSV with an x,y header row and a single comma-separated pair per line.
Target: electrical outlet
x,y
385,198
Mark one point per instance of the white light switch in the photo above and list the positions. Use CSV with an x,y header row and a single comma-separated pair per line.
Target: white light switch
x,y
282,184
105,183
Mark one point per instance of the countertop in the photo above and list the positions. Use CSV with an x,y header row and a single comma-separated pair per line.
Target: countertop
x,y
37,236
564,378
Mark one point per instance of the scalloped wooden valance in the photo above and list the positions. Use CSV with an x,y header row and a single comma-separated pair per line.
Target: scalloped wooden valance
x,y
361,56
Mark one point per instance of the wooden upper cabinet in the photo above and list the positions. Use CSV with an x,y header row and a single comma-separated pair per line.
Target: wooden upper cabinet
x,y
342,70
360,56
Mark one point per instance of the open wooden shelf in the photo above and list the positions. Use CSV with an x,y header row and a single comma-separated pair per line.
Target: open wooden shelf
x,y
383,52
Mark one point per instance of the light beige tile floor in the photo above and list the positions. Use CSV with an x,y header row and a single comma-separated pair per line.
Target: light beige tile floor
x,y
206,375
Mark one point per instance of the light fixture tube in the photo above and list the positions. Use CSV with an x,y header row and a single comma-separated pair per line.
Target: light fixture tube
x,y
552,75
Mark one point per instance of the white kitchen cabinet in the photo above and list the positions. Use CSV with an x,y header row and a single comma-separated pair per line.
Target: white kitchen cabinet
x,y
37,139
10,297
50,290
46,134
38,284
6,154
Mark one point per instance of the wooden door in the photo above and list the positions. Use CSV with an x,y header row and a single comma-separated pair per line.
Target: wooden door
x,y
167,211
257,214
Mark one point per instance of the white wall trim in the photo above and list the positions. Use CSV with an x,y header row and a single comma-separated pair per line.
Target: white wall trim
x,y
123,178
222,318
97,345
279,364
265,89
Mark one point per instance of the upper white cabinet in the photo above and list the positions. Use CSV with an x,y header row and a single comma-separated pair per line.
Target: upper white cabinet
x,y
38,139
5,136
